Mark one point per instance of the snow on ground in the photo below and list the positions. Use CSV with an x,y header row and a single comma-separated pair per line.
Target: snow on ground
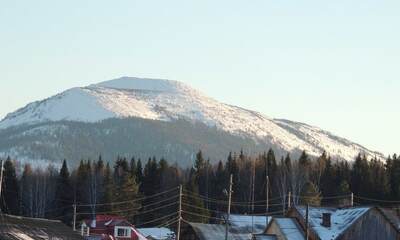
x,y
167,100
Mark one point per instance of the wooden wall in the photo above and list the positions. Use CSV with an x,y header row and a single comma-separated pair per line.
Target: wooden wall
x,y
273,228
372,226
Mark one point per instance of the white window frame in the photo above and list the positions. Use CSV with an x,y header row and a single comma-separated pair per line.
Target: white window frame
x,y
128,232
85,229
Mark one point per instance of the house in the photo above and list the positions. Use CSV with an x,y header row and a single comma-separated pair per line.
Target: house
x,y
157,233
108,227
366,223
23,228
284,228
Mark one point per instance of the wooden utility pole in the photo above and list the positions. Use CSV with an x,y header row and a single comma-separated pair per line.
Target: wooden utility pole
x,y
352,199
74,218
1,177
229,207
267,200
307,222
253,173
178,231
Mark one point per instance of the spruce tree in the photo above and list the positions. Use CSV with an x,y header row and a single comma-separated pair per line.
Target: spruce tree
x,y
126,190
193,207
10,194
200,168
360,177
108,186
64,194
393,172
219,183
27,203
310,195
139,172
132,166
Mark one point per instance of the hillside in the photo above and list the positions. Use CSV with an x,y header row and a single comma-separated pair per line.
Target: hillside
x,y
61,124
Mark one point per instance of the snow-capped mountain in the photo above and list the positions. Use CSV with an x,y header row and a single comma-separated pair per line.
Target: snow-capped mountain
x,y
169,101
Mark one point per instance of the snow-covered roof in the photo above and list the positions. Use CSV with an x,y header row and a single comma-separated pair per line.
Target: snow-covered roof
x,y
22,228
341,219
157,233
264,237
249,223
217,232
289,228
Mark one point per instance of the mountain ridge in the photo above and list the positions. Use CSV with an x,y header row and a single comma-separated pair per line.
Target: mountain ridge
x,y
169,100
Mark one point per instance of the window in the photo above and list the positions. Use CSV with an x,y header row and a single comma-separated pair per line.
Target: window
x,y
122,232
85,230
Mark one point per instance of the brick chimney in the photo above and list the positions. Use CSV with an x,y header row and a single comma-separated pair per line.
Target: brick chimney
x,y
326,219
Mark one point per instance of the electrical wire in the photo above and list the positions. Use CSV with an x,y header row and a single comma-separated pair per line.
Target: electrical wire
x,y
376,200
155,220
129,201
132,209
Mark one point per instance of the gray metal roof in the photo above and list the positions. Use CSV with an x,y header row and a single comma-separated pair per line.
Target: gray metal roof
x,y
393,216
217,232
265,237
249,223
341,219
289,228
17,228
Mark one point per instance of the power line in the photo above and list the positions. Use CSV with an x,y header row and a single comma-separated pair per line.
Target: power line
x,y
201,215
155,220
240,204
129,201
376,200
224,201
132,209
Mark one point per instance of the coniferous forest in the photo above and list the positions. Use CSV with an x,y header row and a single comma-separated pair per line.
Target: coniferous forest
x,y
146,192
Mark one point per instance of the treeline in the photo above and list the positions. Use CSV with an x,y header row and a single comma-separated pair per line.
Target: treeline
x,y
135,189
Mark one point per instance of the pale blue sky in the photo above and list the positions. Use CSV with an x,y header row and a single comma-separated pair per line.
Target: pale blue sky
x,y
334,64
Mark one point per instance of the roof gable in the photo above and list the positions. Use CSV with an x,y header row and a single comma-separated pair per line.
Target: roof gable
x,y
289,228
341,219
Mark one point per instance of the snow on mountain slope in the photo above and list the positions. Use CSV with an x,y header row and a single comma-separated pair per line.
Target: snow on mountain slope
x,y
168,100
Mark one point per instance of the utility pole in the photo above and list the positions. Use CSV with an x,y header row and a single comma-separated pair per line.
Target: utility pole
x,y
289,200
1,175
352,199
267,200
266,192
253,173
307,222
207,187
229,206
74,218
178,231
1,178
